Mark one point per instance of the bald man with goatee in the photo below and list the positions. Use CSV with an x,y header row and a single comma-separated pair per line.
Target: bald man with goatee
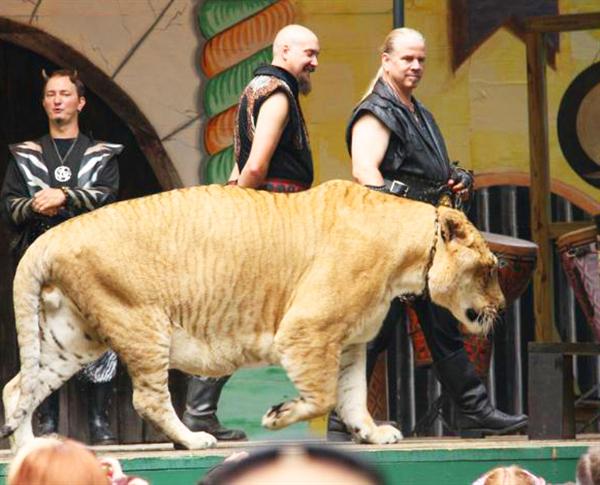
x,y
271,145
272,153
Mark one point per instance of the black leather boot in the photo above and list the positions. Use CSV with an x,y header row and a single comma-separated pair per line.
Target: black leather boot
x,y
48,415
476,415
336,429
201,408
100,395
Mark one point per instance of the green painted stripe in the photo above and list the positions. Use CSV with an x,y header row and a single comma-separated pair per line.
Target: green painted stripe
x,y
407,467
218,167
223,91
215,16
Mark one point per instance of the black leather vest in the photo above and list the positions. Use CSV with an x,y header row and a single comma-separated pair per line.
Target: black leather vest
x,y
292,159
416,148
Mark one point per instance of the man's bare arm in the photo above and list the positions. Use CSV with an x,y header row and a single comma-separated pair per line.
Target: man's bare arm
x,y
272,118
370,139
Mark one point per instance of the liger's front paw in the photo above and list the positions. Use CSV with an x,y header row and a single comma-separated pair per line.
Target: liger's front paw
x,y
200,441
273,419
379,435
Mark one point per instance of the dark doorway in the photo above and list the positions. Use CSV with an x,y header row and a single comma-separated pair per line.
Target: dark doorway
x,y
22,118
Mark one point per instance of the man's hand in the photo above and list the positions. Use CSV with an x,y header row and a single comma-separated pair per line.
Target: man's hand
x,y
48,201
461,183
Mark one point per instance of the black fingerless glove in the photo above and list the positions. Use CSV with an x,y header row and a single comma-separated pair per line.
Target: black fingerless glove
x,y
462,176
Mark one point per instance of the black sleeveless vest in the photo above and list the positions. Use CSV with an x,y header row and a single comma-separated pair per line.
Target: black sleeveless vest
x,y
292,158
415,148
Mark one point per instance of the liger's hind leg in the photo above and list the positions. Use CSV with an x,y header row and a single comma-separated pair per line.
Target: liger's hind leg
x,y
10,398
148,364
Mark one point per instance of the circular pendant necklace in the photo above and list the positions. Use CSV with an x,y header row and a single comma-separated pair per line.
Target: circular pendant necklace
x,y
62,173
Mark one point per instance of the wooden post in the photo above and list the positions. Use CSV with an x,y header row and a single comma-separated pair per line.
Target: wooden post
x,y
540,185
551,381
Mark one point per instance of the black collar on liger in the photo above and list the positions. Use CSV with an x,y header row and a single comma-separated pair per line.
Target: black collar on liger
x,y
408,297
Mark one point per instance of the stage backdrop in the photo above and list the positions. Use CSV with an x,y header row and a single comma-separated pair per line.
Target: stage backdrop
x,y
168,55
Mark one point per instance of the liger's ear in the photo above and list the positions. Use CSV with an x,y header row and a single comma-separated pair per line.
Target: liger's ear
x,y
452,225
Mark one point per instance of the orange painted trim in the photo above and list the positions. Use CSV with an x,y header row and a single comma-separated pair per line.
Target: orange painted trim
x,y
522,179
245,38
218,133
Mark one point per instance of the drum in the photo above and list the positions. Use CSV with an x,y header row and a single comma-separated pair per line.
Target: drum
x,y
579,259
516,262
479,349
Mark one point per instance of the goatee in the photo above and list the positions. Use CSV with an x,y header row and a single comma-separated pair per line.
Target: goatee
x,y
304,85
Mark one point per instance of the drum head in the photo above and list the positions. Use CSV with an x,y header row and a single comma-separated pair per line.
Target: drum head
x,y
499,243
576,238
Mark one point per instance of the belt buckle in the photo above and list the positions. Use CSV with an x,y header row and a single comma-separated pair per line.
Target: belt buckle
x,y
398,188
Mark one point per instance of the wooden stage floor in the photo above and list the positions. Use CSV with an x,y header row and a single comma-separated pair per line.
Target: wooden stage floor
x,y
414,460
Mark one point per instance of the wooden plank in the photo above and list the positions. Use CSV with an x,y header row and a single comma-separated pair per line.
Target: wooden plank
x,y
561,23
568,348
540,186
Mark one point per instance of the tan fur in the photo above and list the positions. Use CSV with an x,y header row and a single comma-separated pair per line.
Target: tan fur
x,y
210,279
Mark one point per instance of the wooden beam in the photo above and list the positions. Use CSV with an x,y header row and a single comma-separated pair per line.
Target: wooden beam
x,y
540,186
561,23
571,348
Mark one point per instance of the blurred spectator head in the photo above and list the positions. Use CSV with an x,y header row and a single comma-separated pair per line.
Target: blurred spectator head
x,y
509,475
588,467
294,465
52,461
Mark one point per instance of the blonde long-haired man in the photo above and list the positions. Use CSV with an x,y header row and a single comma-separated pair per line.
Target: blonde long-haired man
x,y
397,147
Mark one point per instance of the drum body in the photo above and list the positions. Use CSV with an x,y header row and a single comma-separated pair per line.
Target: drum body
x,y
516,262
579,259
479,349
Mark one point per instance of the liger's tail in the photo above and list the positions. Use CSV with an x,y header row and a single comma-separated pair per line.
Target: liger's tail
x,y
31,274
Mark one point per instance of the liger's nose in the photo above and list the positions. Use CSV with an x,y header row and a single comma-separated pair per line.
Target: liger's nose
x,y
472,314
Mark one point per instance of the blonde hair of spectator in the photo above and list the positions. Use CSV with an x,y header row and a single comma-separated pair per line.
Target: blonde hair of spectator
x,y
511,475
54,461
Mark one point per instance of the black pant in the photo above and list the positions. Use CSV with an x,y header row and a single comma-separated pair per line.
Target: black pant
x,y
439,326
